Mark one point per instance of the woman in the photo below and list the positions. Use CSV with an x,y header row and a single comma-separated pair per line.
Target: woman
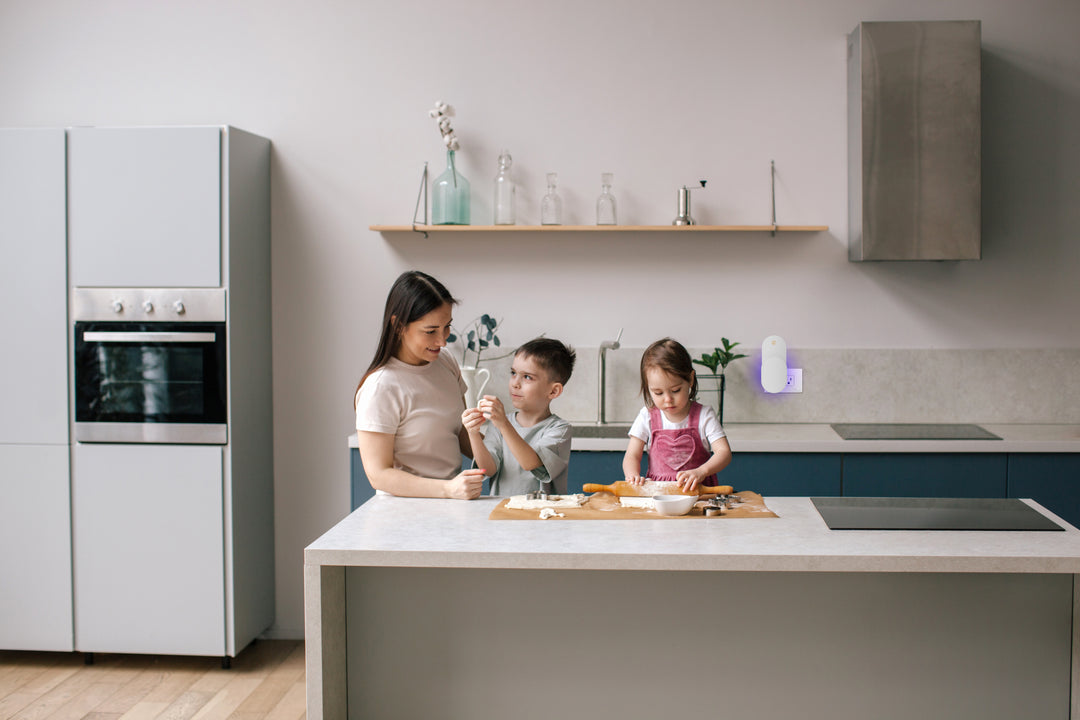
x,y
410,400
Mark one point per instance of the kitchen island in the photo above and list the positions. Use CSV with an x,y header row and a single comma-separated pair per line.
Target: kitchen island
x,y
426,608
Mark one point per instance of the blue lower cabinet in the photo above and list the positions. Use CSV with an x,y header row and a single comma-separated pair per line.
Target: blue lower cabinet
x,y
793,474
790,474
599,466
360,490
925,475
1050,479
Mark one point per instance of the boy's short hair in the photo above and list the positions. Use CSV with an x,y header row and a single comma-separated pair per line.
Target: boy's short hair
x,y
556,358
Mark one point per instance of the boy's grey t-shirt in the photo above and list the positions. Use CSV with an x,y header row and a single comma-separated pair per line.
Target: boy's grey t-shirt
x,y
550,438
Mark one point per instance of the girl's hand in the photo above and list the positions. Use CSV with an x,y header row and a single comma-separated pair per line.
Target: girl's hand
x,y
467,484
689,480
472,419
635,480
493,409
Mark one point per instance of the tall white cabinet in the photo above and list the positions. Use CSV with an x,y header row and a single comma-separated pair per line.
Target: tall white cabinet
x,y
173,544
35,527
132,548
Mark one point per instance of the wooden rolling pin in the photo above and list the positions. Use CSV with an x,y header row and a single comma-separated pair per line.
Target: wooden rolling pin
x,y
622,488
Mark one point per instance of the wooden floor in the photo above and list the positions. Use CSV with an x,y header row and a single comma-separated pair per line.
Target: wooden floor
x,y
266,682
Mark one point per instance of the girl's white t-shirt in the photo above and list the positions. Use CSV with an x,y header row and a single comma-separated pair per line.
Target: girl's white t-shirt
x,y
421,406
709,427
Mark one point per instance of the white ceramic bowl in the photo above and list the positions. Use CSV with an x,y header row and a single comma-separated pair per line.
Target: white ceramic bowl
x,y
674,504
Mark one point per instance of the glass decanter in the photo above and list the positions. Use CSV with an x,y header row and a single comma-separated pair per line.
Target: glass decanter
x,y
551,205
450,196
605,204
504,191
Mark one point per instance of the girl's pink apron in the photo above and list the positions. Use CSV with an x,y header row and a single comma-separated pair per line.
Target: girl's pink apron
x,y
671,451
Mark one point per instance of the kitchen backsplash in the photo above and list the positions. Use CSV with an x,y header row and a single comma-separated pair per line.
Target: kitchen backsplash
x,y
864,385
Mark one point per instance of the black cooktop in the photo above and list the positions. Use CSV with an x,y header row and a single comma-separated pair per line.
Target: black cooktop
x,y
912,431
873,513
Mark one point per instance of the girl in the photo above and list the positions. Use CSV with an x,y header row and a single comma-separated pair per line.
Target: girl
x,y
410,400
685,441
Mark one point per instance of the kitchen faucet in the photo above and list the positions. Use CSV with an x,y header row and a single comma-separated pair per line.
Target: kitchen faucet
x,y
601,385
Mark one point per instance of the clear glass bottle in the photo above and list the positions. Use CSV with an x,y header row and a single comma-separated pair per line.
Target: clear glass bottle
x,y
605,204
504,191
450,196
551,205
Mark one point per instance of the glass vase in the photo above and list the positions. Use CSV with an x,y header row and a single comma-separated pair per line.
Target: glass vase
x,y
551,203
450,196
504,191
605,204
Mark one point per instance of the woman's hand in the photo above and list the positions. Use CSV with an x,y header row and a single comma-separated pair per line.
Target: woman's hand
x,y
466,485
689,480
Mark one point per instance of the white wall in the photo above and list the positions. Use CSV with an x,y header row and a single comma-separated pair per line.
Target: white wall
x,y
660,93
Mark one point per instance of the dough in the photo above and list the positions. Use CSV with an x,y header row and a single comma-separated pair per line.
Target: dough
x,y
521,502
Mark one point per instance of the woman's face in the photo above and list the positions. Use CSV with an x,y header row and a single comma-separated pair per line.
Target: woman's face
x,y
422,338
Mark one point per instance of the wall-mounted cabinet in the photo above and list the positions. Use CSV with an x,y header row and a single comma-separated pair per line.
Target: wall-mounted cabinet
x,y
914,141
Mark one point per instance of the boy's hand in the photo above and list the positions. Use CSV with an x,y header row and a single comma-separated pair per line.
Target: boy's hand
x,y
492,409
690,479
472,419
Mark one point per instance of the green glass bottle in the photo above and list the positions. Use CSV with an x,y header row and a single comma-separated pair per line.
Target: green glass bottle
x,y
450,196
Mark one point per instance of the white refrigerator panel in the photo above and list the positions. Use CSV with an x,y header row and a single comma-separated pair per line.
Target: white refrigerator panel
x,y
145,206
149,549
33,288
35,548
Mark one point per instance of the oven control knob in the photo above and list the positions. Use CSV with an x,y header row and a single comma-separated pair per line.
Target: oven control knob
x,y
148,307
117,306
178,306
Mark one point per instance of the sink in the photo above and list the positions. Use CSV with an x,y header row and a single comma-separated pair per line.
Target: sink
x,y
912,431
601,431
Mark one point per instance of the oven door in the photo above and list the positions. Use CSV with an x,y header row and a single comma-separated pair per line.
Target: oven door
x,y
150,382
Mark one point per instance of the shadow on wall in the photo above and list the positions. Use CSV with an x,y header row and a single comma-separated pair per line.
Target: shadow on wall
x,y
1030,161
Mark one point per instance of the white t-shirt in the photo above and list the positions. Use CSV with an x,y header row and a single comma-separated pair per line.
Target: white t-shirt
x,y
421,406
709,427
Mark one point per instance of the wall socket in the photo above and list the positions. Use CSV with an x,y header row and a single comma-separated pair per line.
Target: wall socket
x,y
794,381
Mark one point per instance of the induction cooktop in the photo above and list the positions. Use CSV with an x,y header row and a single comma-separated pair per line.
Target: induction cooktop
x,y
874,513
912,431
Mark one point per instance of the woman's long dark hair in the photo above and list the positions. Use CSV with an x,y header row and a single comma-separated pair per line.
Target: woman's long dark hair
x,y
413,295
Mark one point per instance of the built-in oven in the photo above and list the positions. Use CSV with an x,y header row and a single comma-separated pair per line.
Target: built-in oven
x,y
150,365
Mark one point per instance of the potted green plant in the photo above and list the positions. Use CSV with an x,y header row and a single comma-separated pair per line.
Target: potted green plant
x,y
481,334
719,359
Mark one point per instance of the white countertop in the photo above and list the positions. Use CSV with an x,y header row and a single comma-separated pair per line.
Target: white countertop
x,y
820,438
412,532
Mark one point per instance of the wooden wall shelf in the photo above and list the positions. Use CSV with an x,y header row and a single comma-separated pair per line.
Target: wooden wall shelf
x,y
596,228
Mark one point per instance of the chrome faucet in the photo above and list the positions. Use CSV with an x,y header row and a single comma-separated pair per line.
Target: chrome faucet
x,y
601,386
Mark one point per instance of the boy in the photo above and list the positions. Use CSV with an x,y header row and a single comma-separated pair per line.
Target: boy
x,y
530,449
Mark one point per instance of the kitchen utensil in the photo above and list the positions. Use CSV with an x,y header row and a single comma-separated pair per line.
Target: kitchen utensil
x,y
674,504
650,488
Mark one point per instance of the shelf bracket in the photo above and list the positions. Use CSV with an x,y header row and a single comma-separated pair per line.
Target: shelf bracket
x,y
772,174
421,195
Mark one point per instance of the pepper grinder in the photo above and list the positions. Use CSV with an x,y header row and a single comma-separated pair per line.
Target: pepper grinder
x,y
684,217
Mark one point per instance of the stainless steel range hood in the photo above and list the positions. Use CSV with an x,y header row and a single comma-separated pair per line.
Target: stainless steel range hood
x,y
914,134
